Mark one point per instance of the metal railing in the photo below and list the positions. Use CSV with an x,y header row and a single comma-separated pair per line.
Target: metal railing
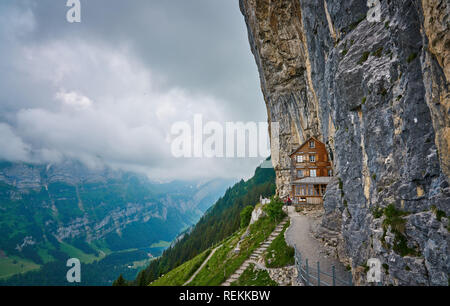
x,y
314,276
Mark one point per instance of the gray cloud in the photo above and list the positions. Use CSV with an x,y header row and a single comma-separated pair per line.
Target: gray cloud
x,y
107,90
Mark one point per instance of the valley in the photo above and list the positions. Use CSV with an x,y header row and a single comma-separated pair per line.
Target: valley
x,y
110,220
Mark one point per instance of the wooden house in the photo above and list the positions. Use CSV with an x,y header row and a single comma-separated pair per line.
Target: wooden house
x,y
311,172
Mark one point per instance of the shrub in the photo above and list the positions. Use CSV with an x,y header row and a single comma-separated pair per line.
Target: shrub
x,y
379,52
275,209
377,212
356,23
364,58
411,57
440,214
394,219
246,215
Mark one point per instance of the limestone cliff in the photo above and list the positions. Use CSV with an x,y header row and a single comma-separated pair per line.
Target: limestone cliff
x,y
376,92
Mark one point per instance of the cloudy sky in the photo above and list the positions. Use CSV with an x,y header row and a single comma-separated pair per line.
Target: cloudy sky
x,y
107,91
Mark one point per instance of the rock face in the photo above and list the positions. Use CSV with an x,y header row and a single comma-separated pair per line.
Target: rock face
x,y
375,90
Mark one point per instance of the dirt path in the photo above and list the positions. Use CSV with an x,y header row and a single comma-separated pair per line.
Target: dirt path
x,y
299,236
201,267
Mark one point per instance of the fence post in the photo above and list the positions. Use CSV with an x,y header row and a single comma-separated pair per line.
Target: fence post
x,y
300,267
333,272
307,272
318,273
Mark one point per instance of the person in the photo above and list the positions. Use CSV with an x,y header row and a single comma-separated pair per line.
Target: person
x,y
289,202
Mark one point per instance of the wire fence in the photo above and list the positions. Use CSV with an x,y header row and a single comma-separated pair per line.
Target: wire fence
x,y
313,275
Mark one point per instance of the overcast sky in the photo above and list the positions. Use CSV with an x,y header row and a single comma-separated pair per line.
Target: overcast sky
x,y
106,91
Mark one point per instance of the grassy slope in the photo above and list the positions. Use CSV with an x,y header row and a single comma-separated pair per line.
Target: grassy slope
x,y
77,253
10,266
179,275
225,262
220,222
279,254
254,277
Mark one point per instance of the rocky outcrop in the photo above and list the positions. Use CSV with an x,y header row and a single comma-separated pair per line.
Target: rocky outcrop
x,y
375,90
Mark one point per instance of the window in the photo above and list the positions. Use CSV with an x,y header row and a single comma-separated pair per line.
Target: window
x,y
312,158
300,173
317,190
313,173
330,172
300,190
299,158
312,144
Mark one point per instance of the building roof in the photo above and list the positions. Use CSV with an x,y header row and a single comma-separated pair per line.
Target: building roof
x,y
314,180
309,139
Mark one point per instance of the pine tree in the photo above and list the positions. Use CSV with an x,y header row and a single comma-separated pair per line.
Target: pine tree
x,y
120,282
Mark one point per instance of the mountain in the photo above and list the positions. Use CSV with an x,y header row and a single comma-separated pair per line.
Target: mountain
x,y
371,83
219,222
49,213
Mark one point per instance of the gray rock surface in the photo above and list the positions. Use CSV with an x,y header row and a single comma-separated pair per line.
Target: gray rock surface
x,y
377,94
